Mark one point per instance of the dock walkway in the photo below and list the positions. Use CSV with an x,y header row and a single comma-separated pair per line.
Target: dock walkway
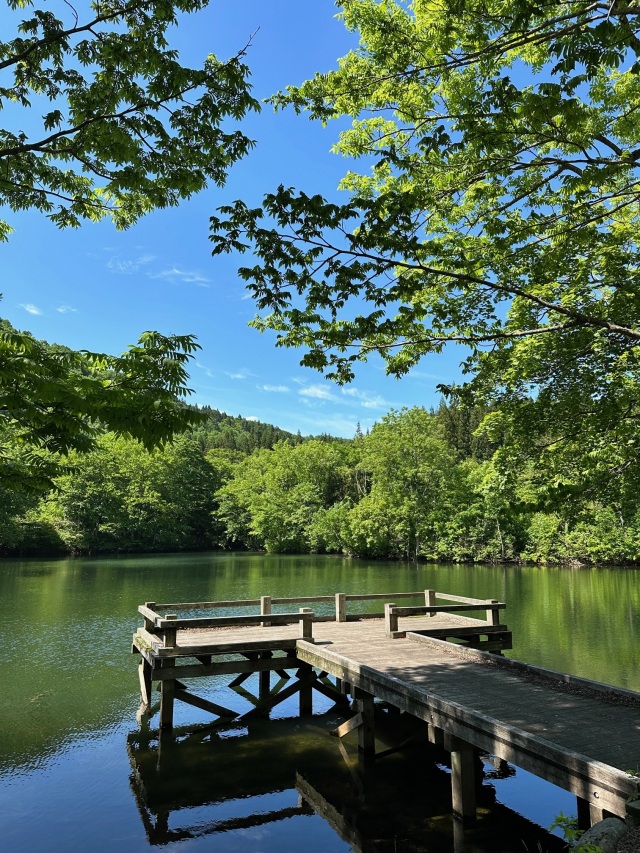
x,y
578,734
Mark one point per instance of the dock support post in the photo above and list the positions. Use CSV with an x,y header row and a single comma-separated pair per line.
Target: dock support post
x,y
264,679
588,813
366,731
306,690
168,686
463,779
167,695
584,813
458,835
144,672
341,607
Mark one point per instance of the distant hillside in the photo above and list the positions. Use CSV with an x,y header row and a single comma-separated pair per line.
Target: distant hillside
x,y
238,433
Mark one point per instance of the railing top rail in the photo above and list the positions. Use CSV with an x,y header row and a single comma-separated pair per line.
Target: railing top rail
x,y
223,621
447,608
388,596
205,605
463,599
247,602
251,602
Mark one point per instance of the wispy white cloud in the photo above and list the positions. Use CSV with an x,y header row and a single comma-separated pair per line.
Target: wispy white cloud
x,y
66,309
243,373
251,418
174,274
30,308
317,392
207,371
277,389
129,266
366,399
420,374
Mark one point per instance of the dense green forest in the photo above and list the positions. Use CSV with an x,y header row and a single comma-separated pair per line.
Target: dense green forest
x,y
420,485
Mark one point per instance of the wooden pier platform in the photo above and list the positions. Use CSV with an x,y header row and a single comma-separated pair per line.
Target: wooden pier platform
x,y
434,661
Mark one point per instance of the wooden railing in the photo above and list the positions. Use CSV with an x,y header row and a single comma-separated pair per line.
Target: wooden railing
x,y
158,621
168,625
492,608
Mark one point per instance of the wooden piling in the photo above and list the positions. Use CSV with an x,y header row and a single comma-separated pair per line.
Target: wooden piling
x,y
306,690
264,679
463,781
167,691
366,731
144,674
167,696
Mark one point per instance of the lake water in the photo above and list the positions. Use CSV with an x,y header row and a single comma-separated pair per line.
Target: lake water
x,y
77,773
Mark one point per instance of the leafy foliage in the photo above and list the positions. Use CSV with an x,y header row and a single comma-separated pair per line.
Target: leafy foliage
x,y
497,206
54,400
275,497
121,497
125,127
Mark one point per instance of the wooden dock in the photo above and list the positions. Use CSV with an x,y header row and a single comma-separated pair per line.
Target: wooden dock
x,y
433,660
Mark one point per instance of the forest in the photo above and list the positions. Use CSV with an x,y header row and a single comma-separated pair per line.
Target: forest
x,y
420,485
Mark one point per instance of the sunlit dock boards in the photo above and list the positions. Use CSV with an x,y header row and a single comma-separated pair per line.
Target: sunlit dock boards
x,y
577,734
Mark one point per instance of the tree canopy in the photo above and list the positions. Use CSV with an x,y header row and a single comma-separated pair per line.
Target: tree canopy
x,y
497,207
103,121
124,127
54,400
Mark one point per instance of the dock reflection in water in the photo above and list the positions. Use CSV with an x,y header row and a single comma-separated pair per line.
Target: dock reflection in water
x,y
252,780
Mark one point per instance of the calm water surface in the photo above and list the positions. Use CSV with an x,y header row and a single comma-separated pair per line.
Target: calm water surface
x,y
78,774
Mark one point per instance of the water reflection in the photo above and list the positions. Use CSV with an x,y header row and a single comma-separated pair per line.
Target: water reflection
x,y
234,779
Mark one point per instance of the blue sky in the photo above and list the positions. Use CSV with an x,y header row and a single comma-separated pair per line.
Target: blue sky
x,y
96,288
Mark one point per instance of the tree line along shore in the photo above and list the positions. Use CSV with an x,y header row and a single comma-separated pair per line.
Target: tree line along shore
x,y
420,485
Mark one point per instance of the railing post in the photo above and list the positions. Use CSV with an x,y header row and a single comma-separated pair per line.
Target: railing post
x,y
493,613
170,633
390,619
265,609
430,599
306,618
341,607
149,625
